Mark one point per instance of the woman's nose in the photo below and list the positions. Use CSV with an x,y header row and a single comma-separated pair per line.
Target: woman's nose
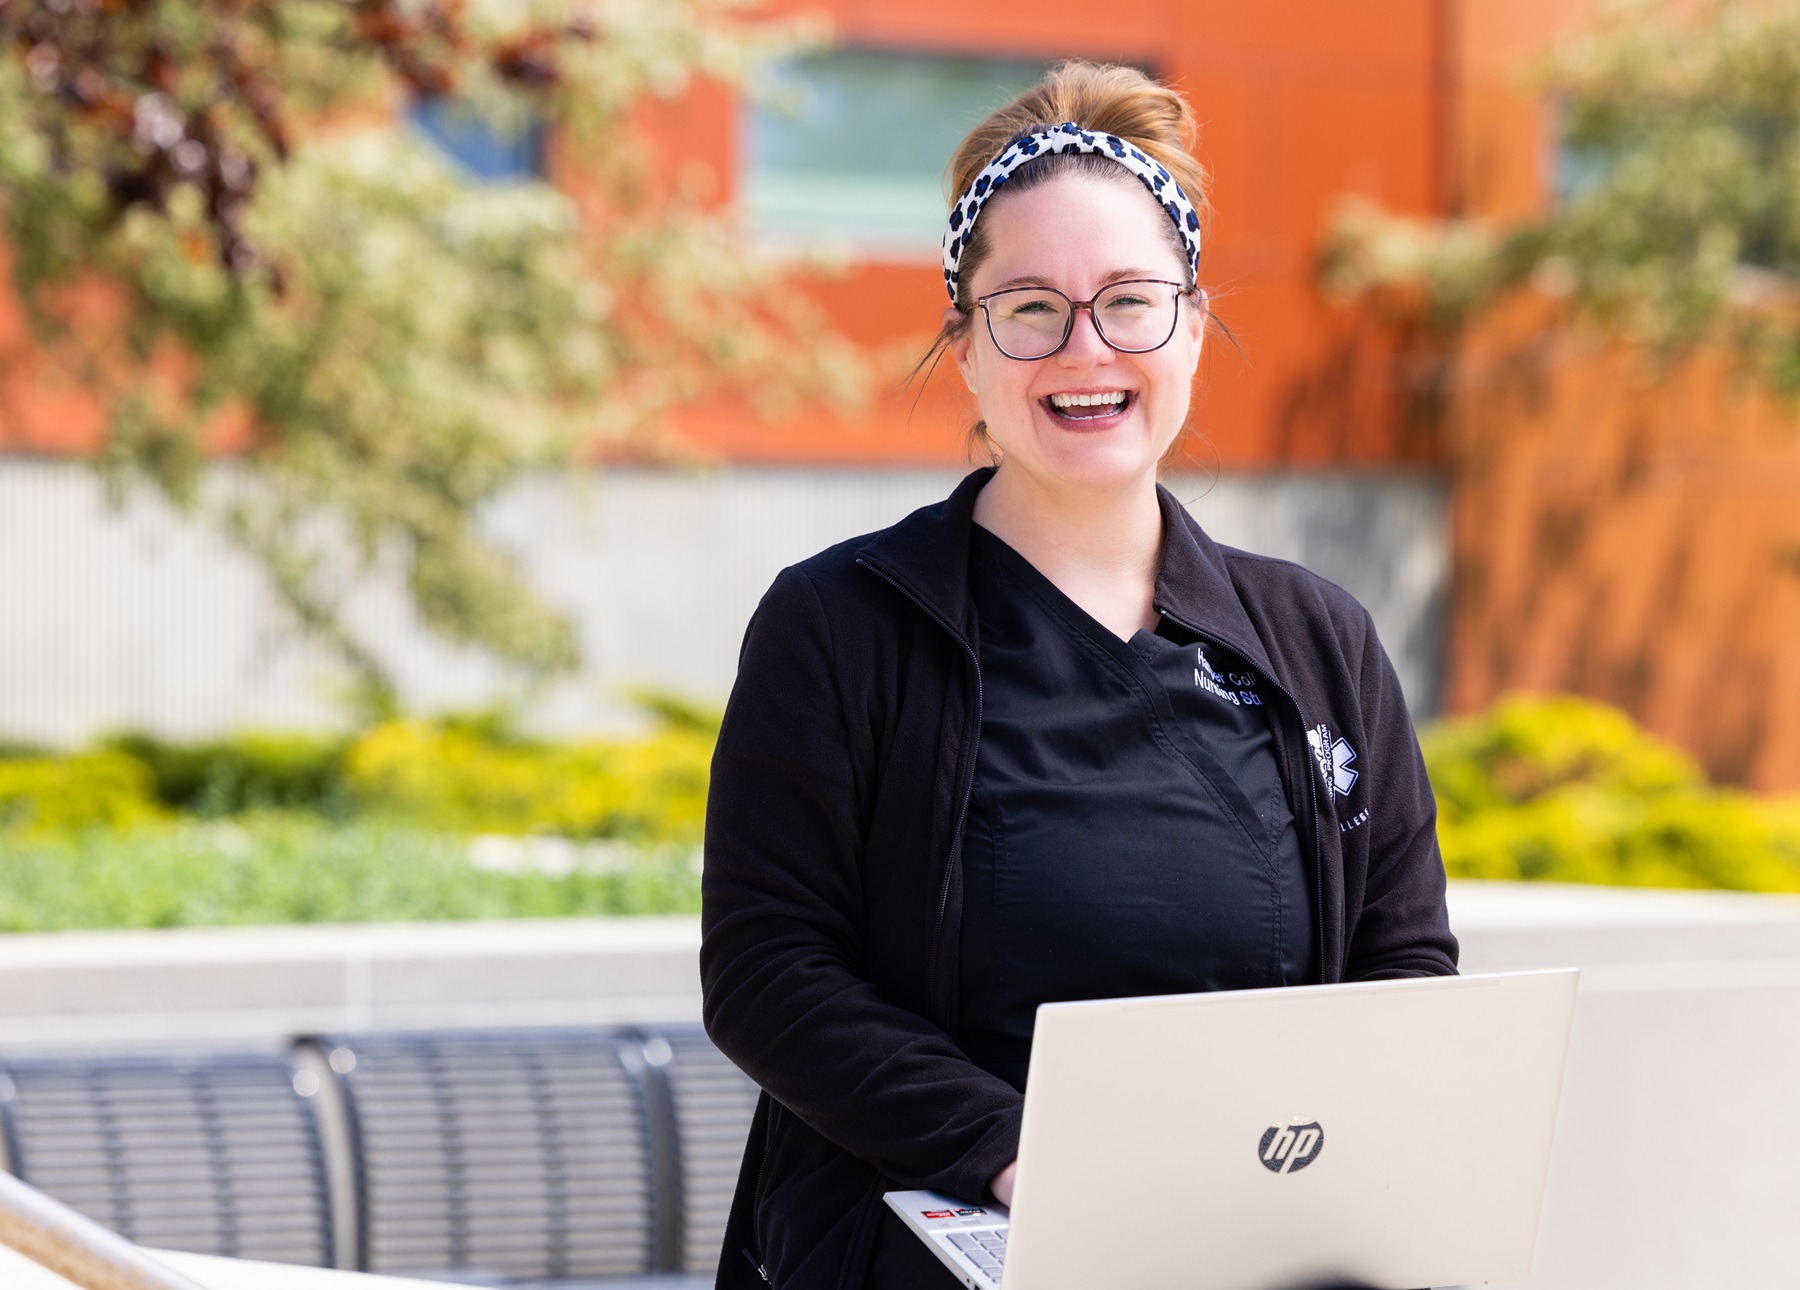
x,y
1084,346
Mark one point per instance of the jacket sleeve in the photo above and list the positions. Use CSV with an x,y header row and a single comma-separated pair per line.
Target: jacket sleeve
x,y
782,913
1404,925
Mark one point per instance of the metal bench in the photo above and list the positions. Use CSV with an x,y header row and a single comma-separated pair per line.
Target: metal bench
x,y
567,1157
216,1154
713,1101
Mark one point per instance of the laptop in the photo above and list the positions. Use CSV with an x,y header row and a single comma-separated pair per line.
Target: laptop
x,y
1382,1133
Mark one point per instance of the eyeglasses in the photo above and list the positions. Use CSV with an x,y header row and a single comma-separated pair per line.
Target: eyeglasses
x,y
1133,317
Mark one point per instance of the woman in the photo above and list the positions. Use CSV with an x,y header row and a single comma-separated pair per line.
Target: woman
x,y
1044,740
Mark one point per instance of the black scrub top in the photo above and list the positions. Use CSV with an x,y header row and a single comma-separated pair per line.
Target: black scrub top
x,y
1128,832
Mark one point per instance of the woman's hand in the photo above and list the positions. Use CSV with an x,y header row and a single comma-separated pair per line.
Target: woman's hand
x,y
1001,1184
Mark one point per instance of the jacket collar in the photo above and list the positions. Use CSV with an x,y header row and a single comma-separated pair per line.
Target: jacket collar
x,y
1194,585
926,555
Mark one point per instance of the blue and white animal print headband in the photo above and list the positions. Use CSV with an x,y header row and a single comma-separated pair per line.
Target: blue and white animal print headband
x,y
1069,137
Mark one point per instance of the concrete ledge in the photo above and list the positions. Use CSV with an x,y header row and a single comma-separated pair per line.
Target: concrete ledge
x,y
260,985
1677,1159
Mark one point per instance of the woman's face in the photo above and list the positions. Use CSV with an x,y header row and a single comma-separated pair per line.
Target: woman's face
x,y
1078,233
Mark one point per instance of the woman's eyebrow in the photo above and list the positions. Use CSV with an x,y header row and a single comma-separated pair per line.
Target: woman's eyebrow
x,y
1029,280
1038,280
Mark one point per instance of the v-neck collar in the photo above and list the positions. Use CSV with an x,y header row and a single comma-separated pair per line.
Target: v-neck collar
x,y
1139,675
1053,598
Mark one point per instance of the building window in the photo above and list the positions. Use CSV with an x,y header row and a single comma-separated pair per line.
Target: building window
x,y
853,144
1578,169
488,150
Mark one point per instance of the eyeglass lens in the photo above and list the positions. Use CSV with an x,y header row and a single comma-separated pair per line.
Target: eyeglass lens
x,y
1033,322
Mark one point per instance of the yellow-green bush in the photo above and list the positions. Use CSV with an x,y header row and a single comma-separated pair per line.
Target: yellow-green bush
x,y
252,770
1556,789
457,778
49,795
1567,790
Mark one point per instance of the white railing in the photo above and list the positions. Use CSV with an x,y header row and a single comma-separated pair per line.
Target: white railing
x,y
75,1247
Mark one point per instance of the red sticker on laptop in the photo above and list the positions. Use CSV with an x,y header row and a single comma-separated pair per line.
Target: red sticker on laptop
x,y
937,1213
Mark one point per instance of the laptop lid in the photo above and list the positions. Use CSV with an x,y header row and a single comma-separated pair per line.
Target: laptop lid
x,y
1395,1133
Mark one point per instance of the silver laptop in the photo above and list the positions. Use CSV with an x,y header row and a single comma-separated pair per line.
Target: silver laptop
x,y
1385,1133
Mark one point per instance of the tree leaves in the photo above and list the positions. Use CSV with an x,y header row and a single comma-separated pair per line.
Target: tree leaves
x,y
285,272
1679,221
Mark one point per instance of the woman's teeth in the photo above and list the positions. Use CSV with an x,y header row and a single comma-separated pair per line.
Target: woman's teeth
x,y
1111,398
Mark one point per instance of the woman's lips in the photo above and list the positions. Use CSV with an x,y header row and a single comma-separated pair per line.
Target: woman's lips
x,y
1081,418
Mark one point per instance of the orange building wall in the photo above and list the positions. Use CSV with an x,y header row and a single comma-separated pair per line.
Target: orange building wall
x,y
1501,130
1630,534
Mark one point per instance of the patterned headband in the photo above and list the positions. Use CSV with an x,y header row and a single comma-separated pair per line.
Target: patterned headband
x,y
1068,137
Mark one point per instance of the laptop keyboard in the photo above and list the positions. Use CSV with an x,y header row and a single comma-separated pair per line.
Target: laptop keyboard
x,y
986,1250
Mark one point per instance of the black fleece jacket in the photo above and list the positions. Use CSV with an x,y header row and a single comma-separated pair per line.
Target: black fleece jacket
x,y
832,890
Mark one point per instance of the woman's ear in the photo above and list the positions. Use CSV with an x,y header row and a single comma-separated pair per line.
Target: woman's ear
x,y
1194,319
959,344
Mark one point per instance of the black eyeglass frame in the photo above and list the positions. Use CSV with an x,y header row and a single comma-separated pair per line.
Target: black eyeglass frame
x,y
1181,290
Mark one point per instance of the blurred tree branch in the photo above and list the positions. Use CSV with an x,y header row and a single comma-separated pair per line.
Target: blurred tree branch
x,y
1679,219
218,220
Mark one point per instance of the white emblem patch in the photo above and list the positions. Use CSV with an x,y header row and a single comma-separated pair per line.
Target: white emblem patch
x,y
1334,758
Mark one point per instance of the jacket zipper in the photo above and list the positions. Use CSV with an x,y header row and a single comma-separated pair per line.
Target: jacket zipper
x,y
762,1182
968,778
1306,767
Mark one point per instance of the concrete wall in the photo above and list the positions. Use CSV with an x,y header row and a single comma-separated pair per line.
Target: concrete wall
x,y
133,617
1677,1158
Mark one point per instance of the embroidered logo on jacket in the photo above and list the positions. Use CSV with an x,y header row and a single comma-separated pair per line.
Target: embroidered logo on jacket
x,y
1334,758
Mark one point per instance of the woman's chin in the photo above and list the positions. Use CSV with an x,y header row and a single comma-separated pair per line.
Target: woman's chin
x,y
1101,462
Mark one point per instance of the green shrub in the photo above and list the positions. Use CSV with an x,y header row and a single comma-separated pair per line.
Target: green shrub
x,y
55,795
449,776
377,827
463,774
253,771
287,867
306,829
1567,790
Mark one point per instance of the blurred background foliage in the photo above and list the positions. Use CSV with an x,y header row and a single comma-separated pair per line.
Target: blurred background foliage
x,y
274,867
1678,216
220,221
463,775
1568,790
455,818
462,817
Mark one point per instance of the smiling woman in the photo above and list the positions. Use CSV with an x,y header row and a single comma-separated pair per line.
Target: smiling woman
x,y
1082,426
1042,741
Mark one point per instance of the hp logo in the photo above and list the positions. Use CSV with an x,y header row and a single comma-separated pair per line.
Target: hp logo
x,y
1289,1148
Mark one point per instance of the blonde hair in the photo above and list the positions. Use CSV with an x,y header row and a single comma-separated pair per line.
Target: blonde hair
x,y
1096,96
